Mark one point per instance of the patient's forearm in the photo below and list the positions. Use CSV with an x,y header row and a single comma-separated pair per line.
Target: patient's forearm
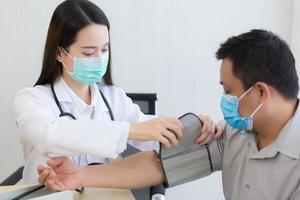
x,y
136,171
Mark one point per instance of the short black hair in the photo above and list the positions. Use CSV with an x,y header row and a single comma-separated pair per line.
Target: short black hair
x,y
260,55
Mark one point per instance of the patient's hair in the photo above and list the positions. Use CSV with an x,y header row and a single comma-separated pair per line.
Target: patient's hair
x,y
261,55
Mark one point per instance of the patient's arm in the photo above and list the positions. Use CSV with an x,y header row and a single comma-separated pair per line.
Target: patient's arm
x,y
136,171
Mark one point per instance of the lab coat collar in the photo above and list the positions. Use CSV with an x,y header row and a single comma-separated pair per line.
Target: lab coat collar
x,y
65,94
60,88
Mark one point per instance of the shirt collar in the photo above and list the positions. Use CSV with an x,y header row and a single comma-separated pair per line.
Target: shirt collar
x,y
287,141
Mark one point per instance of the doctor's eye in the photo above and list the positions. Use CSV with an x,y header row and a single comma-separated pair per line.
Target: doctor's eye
x,y
87,54
105,50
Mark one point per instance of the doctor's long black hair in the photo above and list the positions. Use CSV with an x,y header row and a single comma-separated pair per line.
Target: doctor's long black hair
x,y
67,20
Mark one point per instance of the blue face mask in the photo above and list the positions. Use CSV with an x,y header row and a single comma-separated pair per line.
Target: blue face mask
x,y
230,109
88,70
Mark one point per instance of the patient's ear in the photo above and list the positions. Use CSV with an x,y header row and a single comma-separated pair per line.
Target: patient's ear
x,y
264,91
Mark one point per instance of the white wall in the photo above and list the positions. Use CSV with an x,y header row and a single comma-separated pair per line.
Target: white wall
x,y
165,47
296,33
23,30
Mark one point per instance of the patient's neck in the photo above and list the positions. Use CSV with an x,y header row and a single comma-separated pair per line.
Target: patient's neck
x,y
269,129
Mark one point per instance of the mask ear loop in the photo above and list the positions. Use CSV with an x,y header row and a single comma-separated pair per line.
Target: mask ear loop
x,y
255,111
245,93
66,69
62,49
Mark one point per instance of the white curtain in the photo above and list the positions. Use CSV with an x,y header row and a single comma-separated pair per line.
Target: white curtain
x,y
296,34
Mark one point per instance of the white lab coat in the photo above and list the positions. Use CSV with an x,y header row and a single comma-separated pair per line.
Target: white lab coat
x,y
92,137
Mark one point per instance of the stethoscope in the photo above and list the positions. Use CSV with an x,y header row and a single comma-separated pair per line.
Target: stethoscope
x,y
63,113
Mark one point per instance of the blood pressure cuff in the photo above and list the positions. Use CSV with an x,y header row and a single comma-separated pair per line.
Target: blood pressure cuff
x,y
187,161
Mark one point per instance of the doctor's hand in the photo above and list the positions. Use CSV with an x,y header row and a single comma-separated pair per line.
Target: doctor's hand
x,y
166,130
210,130
62,174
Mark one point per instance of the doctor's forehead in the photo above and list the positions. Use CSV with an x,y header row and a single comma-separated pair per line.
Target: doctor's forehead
x,y
94,35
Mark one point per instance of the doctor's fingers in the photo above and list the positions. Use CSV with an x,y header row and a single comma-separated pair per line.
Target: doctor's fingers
x,y
175,121
173,126
215,133
206,122
207,139
219,132
170,136
162,139
208,130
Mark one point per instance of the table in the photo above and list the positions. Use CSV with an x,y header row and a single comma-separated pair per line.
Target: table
x,y
88,194
103,193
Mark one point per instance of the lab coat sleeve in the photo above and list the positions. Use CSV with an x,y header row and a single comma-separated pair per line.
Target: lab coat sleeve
x,y
216,149
54,136
134,114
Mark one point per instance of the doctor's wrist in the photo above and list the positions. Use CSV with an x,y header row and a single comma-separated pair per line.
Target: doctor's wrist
x,y
138,131
133,131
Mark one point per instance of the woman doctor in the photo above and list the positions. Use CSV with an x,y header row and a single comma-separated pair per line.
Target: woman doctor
x,y
74,109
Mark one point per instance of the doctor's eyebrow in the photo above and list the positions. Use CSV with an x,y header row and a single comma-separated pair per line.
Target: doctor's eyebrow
x,y
89,47
94,47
